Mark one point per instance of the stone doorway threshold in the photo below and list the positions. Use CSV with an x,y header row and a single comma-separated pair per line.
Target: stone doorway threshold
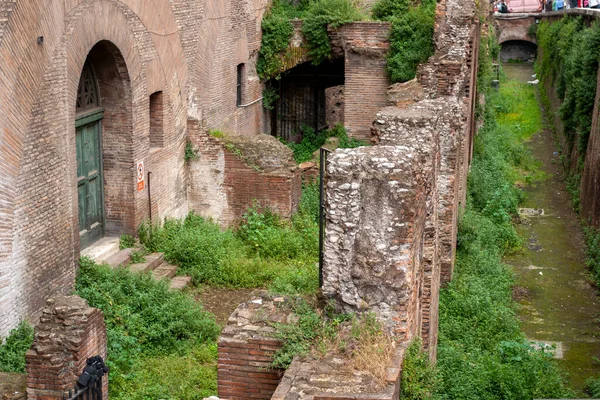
x,y
101,250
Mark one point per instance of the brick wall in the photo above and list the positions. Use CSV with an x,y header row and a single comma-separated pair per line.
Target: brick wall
x,y
186,50
365,45
68,334
246,348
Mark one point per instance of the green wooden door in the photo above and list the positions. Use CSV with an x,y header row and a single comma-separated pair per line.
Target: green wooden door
x,y
89,183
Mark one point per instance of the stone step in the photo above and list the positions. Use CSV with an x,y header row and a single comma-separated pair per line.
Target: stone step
x,y
120,258
165,271
152,261
180,282
102,249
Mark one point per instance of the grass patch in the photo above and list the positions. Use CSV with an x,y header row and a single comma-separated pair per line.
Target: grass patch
x,y
14,347
147,325
265,251
482,352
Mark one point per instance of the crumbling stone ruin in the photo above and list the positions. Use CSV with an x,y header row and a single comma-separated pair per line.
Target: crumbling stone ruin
x,y
392,211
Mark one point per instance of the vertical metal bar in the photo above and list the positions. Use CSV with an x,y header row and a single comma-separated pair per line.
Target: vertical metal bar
x,y
322,164
149,199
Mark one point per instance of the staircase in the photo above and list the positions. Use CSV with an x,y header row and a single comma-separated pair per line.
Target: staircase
x,y
107,251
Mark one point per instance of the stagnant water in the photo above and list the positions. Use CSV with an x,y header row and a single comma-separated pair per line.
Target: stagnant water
x,y
559,304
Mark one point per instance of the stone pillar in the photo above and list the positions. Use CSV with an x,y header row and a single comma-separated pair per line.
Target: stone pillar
x,y
376,211
419,126
68,334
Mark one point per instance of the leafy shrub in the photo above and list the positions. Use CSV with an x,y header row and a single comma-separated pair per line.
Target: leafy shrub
x,y
276,33
321,14
418,374
312,141
12,351
593,387
143,317
411,37
126,242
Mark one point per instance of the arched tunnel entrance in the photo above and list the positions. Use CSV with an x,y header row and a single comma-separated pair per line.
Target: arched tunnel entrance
x,y
517,50
308,94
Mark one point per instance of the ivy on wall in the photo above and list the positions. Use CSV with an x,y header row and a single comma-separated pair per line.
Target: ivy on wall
x,y
411,36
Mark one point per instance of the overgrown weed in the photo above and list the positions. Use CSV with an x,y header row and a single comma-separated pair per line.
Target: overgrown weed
x,y
14,347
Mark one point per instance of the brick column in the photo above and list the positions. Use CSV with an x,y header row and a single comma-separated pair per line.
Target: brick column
x,y
68,334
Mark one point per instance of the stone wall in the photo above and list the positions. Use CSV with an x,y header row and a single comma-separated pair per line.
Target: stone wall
x,y
68,334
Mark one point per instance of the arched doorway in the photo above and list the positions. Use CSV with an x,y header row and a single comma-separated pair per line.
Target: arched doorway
x,y
88,132
517,50
104,146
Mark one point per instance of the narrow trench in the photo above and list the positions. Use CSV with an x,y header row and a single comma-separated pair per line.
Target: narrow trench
x,y
558,302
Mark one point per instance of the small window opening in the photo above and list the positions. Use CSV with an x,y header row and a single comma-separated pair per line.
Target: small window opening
x,y
156,120
240,87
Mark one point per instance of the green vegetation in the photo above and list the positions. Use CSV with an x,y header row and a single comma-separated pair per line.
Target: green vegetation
x,y
321,14
12,351
419,376
360,340
190,152
593,388
312,141
149,328
264,251
126,242
570,54
482,353
411,37
216,133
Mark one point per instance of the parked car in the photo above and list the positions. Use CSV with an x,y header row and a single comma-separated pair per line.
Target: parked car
x,y
524,6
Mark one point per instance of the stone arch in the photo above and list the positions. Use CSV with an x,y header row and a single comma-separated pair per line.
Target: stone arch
x,y
114,87
516,49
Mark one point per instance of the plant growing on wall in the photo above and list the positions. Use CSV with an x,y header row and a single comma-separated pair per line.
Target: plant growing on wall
x,y
411,36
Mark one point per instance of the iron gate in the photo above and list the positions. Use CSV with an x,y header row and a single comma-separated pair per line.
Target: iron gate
x,y
300,105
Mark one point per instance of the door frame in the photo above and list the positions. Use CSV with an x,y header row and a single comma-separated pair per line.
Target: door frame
x,y
86,118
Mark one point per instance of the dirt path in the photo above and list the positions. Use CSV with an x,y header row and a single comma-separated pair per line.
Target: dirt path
x,y
559,304
222,302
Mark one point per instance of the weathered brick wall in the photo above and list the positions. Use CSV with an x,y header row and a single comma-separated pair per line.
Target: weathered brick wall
x,y
246,348
68,334
188,50
365,45
222,184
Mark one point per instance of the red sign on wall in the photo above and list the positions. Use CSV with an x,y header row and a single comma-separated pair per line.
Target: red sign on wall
x,y
140,176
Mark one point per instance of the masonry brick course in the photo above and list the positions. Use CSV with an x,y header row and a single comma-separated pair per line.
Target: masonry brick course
x,y
188,50
68,334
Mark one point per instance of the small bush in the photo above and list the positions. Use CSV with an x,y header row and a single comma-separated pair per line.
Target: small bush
x,y
126,242
12,351
592,387
276,33
312,141
411,36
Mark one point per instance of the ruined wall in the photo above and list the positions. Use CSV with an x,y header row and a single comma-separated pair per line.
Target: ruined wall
x,y
68,334
229,175
188,50
365,45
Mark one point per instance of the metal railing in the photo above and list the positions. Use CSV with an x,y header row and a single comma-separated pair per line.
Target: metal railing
x,y
322,165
